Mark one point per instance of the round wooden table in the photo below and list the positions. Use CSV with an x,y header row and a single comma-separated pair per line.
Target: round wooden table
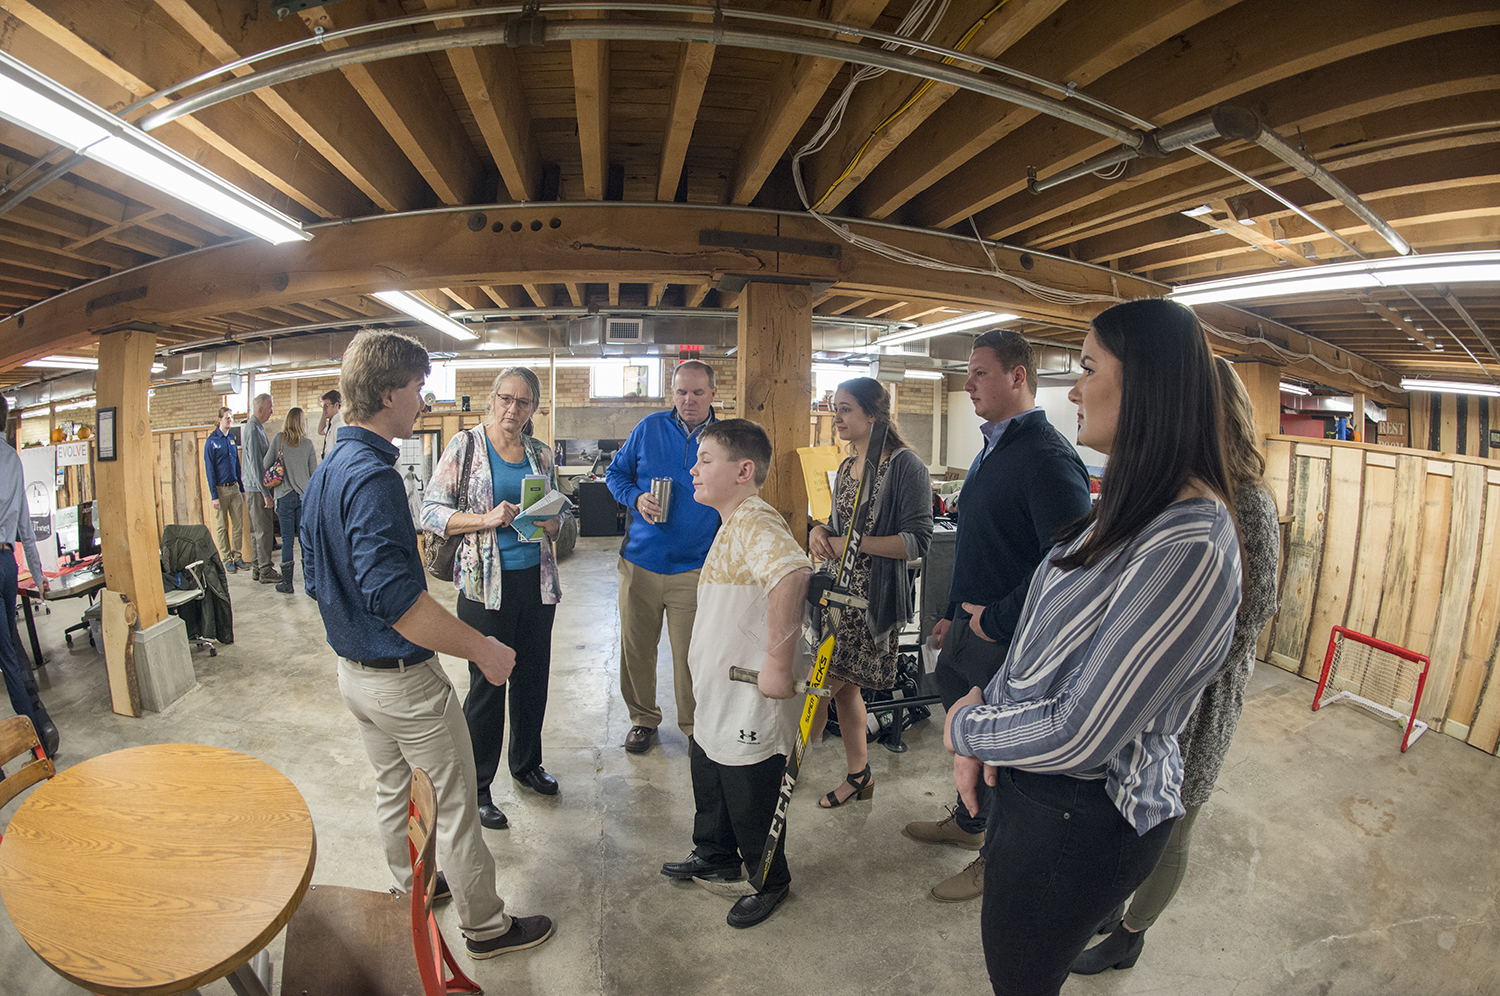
x,y
156,869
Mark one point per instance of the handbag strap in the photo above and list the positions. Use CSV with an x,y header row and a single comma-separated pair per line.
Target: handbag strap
x,y
463,477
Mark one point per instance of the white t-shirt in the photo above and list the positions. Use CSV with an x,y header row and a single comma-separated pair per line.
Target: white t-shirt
x,y
329,434
733,722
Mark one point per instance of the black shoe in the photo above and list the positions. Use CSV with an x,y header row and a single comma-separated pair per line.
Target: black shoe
x,y
491,817
440,891
46,732
638,740
696,867
1119,950
268,575
525,932
750,910
538,781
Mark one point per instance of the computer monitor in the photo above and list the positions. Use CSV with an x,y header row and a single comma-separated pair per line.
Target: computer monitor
x,y
88,529
65,525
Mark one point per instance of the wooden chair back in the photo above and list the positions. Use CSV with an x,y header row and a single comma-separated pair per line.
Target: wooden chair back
x,y
433,956
17,736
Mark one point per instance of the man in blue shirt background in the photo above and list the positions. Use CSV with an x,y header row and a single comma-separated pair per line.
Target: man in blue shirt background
x,y
221,462
660,560
363,568
259,504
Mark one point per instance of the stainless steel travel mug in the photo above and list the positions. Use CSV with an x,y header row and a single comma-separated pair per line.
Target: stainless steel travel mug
x,y
661,490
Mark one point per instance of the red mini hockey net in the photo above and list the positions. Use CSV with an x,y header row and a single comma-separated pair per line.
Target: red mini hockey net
x,y
1375,675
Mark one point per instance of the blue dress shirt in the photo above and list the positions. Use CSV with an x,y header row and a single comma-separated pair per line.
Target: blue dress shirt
x,y
360,548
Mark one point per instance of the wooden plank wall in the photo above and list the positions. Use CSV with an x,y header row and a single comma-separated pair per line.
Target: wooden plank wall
x,y
1463,423
1402,544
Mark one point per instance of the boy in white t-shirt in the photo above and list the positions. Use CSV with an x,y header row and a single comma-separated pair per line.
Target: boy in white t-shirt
x,y
750,597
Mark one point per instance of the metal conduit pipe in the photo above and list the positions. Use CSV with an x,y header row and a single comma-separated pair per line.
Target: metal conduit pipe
x,y
1453,302
1229,121
536,31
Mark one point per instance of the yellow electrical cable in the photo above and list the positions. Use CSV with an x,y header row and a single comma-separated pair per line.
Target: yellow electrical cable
x,y
907,105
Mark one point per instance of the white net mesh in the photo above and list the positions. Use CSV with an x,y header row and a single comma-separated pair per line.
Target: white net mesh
x,y
1377,680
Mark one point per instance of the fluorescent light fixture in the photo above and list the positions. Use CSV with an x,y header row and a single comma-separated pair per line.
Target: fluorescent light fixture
x,y
424,312
157,368
1449,387
39,104
305,374
75,405
973,320
847,370
924,375
1396,271
65,363
1198,211
1294,389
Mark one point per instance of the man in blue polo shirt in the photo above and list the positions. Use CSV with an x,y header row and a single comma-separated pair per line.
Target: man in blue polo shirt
x,y
361,564
221,462
662,555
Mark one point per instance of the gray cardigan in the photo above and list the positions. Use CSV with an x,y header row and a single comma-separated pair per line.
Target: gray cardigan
x,y
902,508
1205,739
299,460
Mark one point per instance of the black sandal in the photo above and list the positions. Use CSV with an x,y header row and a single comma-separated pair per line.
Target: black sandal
x,y
864,788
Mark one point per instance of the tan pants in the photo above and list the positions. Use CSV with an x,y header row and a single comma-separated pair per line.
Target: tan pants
x,y
644,596
231,510
411,719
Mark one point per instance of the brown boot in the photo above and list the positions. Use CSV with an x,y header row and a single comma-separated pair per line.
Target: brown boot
x,y
967,884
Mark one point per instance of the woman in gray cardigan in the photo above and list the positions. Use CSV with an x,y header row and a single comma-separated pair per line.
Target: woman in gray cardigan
x,y
1205,739
299,456
899,529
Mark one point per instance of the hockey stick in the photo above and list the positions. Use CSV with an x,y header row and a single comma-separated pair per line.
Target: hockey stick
x,y
830,597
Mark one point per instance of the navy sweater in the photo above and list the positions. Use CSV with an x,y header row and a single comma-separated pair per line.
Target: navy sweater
x,y
657,447
1013,503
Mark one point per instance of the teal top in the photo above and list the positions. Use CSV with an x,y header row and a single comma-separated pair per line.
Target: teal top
x,y
515,553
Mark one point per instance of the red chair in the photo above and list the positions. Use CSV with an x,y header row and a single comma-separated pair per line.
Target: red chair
x,y
17,736
350,941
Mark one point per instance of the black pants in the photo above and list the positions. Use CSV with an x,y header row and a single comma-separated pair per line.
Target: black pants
x,y
734,805
1058,858
20,685
966,661
524,624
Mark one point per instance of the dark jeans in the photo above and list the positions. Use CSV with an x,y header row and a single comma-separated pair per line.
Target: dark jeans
x,y
19,683
734,804
524,624
1058,858
966,661
289,512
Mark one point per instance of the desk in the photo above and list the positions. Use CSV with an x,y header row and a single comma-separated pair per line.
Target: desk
x,y
84,578
156,869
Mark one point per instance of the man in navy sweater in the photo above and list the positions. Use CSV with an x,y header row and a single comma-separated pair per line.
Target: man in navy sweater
x,y
1025,484
662,554
221,462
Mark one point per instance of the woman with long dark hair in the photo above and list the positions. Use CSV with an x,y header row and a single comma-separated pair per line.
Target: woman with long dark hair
x,y
1125,623
507,587
899,529
1205,739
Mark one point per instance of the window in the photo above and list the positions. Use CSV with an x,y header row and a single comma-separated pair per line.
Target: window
x,y
239,401
442,383
625,378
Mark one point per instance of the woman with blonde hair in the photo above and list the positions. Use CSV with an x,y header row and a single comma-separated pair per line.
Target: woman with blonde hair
x,y
1205,739
507,586
299,458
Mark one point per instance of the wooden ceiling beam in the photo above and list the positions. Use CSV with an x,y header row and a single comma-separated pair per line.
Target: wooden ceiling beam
x,y
470,298
323,111
575,292
75,229
408,100
491,82
884,111
116,53
591,104
43,281
66,266
694,63
1219,59
800,84
112,256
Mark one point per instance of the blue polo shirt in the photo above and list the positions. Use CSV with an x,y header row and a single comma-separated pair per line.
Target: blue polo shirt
x,y
360,548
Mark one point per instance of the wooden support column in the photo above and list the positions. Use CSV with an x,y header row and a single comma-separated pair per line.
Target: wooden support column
x,y
774,364
1357,418
1263,383
127,504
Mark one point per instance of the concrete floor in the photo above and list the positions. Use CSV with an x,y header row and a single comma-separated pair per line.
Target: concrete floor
x,y
1327,862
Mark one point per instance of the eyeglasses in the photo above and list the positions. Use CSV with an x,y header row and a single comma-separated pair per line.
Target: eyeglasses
x,y
519,404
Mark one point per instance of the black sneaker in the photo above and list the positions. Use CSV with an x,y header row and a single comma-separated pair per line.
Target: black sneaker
x,y
440,891
525,932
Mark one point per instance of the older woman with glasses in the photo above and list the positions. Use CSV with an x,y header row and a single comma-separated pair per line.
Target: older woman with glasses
x,y
507,586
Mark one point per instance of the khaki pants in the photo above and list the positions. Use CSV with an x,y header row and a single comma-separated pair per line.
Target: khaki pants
x,y
231,510
411,719
644,596
262,530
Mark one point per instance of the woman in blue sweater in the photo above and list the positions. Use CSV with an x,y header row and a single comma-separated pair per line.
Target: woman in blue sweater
x,y
1123,626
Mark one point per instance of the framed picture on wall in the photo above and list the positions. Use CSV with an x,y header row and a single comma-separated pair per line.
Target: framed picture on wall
x,y
106,431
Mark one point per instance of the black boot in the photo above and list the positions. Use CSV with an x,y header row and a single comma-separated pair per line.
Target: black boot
x,y
46,732
285,584
1119,950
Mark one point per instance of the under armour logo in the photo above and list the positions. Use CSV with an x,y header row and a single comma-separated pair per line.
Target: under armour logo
x,y
749,737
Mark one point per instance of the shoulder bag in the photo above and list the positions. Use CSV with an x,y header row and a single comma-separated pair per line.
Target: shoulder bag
x,y
276,473
441,550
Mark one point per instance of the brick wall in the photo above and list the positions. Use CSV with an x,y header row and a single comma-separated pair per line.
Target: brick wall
x,y
175,405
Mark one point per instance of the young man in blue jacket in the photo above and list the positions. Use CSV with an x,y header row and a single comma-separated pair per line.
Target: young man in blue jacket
x,y
663,550
221,461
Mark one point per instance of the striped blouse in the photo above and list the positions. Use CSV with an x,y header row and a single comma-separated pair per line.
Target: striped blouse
x,y
1108,661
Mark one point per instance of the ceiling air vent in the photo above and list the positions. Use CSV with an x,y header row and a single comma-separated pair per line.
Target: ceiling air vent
x,y
626,331
192,363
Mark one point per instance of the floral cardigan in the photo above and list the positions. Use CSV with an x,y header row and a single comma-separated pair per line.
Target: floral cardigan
x,y
477,567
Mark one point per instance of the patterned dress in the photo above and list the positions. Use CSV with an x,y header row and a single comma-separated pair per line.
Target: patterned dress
x,y
855,656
